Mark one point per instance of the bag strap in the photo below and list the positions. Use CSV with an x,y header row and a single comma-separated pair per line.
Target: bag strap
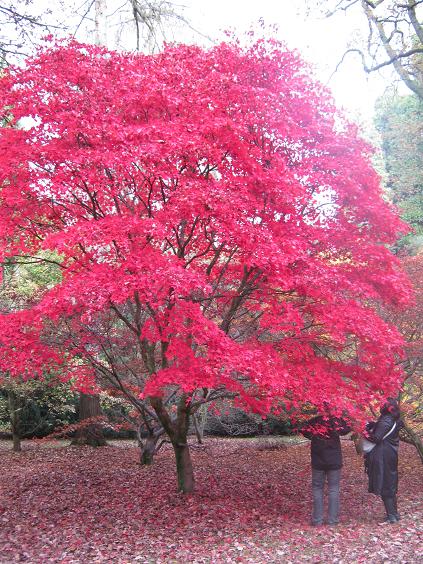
x,y
389,432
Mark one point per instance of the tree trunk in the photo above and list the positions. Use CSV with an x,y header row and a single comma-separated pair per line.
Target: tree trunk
x,y
92,433
355,437
100,23
414,440
148,449
17,446
199,419
14,414
198,429
177,431
184,468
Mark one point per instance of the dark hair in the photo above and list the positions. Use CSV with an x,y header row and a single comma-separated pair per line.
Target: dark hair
x,y
391,407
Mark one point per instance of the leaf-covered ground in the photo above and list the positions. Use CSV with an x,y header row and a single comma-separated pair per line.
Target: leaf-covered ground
x,y
80,505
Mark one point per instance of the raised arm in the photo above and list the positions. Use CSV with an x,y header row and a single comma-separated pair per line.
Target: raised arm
x,y
308,428
341,426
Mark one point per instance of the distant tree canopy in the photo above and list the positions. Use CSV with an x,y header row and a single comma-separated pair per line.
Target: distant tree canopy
x,y
399,119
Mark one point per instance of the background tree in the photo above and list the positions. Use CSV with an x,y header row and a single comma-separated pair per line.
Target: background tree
x,y
14,408
224,222
154,22
399,120
34,408
30,407
394,37
133,25
400,124
89,432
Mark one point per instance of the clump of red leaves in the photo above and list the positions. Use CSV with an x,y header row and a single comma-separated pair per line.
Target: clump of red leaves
x,y
72,505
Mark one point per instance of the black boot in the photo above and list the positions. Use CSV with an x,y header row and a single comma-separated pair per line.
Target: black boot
x,y
397,515
391,514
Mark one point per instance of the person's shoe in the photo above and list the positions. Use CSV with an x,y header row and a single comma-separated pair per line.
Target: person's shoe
x,y
316,523
333,524
390,519
396,516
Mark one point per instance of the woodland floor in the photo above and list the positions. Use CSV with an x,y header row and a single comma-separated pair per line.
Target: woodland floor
x,y
80,505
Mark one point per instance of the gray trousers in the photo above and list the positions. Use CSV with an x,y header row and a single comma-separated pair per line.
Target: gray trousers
x,y
318,479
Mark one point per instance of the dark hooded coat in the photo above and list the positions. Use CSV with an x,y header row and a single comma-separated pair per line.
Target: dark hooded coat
x,y
324,434
382,462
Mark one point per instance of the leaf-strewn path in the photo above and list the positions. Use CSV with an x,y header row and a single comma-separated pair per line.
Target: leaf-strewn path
x,y
79,505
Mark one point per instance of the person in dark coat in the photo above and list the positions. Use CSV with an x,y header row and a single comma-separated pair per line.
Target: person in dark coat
x,y
326,463
382,462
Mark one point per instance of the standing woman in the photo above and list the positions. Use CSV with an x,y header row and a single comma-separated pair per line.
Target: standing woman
x,y
326,462
382,462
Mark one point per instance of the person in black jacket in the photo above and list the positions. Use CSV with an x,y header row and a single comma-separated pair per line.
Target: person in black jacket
x,y
326,463
382,462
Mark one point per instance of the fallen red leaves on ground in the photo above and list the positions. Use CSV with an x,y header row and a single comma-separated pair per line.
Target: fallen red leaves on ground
x,y
78,504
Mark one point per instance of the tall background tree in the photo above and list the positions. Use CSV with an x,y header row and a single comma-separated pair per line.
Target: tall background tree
x,y
141,25
399,120
390,37
30,407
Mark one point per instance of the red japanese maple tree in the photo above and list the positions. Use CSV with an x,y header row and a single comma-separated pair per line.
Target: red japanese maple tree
x,y
218,224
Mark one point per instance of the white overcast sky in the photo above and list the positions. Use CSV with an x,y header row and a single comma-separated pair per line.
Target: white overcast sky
x,y
322,41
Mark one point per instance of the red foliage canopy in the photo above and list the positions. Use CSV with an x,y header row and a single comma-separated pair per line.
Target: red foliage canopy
x,y
216,205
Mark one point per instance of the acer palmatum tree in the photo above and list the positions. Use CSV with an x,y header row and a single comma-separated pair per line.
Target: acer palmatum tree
x,y
219,208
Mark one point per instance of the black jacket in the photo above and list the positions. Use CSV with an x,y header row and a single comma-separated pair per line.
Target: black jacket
x,y
382,462
324,433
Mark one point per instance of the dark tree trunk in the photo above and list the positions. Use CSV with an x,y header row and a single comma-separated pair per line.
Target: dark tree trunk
x,y
177,430
17,446
92,433
185,473
14,414
184,468
415,440
148,450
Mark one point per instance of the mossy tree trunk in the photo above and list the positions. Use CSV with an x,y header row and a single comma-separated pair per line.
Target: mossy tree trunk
x,y
149,445
90,434
199,419
15,408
